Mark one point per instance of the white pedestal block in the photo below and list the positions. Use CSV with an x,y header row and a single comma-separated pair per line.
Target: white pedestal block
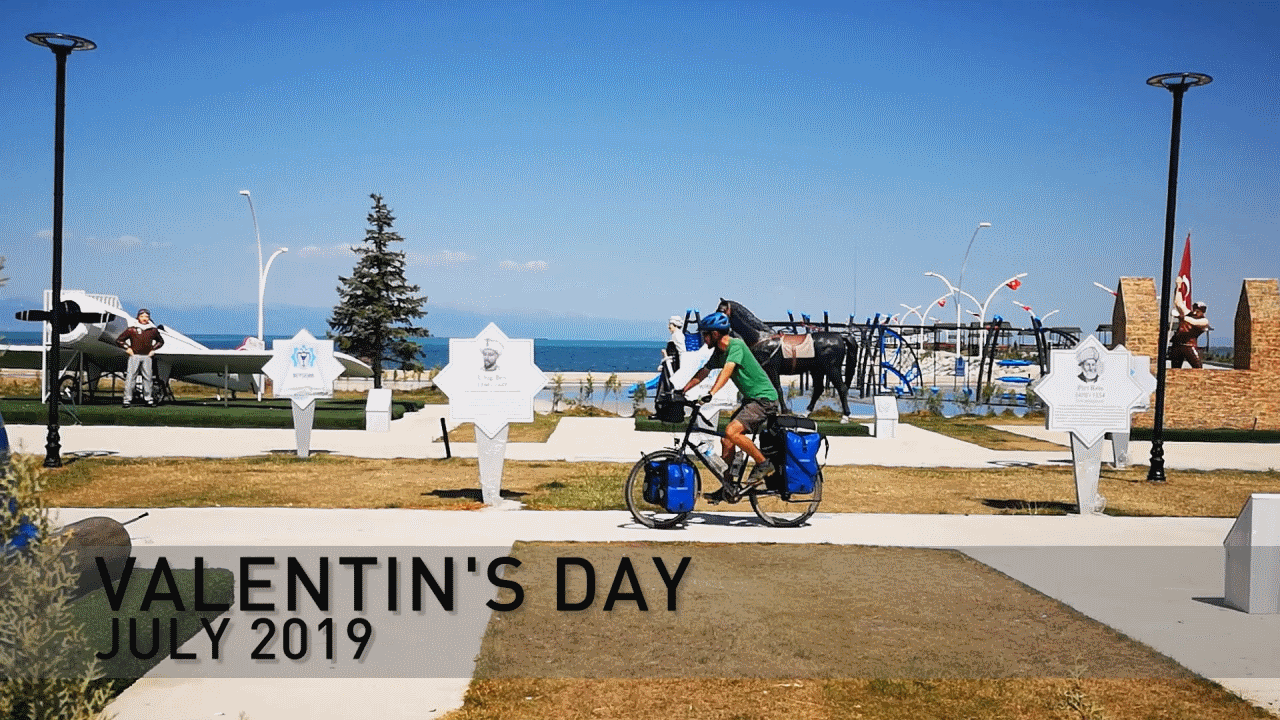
x,y
491,452
1119,449
886,416
1253,556
377,410
304,418
1087,462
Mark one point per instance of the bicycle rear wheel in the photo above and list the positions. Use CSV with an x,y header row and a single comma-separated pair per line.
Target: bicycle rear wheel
x,y
645,512
789,512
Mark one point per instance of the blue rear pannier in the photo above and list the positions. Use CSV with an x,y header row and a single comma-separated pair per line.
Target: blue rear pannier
x,y
671,484
792,444
801,465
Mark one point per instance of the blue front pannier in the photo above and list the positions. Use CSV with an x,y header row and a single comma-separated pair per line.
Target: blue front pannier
x,y
655,483
682,486
671,484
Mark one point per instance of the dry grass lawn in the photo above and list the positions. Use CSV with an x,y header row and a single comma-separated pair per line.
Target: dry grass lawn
x,y
852,699
818,632
342,482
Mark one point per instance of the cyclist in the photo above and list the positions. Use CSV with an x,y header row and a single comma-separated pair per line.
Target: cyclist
x,y
759,396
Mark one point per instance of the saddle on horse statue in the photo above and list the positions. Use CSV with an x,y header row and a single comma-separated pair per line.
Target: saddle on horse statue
x,y
796,347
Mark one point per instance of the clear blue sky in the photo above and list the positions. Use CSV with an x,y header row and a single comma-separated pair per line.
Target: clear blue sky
x,y
632,160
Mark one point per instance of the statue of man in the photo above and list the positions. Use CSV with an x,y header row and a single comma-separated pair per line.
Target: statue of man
x,y
1192,323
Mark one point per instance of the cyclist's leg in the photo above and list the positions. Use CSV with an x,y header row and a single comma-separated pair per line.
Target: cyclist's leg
x,y
746,421
736,435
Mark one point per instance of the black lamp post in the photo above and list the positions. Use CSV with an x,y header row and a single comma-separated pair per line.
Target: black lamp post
x,y
1177,83
62,47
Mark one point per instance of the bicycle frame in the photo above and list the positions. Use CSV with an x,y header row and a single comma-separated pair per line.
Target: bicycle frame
x,y
686,448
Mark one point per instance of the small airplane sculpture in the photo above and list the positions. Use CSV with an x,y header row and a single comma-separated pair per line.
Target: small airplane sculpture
x,y
91,346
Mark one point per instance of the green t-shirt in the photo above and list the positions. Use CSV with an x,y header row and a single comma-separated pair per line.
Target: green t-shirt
x,y
751,379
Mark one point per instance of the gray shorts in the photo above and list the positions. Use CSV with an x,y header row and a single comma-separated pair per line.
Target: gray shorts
x,y
753,412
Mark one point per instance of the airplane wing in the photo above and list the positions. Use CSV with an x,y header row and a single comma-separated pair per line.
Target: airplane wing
x,y
250,362
186,361
188,357
20,357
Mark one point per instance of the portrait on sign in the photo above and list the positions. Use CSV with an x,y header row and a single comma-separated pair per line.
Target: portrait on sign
x,y
489,354
1090,365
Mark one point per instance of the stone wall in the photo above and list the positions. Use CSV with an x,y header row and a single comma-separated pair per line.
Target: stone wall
x,y
1135,317
1246,397
1258,326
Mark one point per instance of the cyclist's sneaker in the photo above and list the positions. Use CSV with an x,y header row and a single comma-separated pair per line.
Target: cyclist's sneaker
x,y
759,473
715,497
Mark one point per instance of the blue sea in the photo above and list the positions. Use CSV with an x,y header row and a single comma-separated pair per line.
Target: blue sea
x,y
549,355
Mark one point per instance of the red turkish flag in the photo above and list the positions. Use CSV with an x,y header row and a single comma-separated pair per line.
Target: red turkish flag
x,y
942,303
1014,284
1184,274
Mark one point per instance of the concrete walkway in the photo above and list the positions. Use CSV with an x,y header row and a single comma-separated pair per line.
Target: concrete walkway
x,y
1158,580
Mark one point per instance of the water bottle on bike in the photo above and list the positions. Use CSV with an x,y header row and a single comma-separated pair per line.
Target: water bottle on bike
x,y
711,452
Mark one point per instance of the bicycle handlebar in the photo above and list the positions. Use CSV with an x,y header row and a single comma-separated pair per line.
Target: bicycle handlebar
x,y
695,402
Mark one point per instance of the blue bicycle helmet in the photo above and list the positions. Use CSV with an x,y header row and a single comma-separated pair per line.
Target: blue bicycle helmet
x,y
715,321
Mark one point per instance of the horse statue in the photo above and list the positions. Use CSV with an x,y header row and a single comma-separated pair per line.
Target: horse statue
x,y
822,354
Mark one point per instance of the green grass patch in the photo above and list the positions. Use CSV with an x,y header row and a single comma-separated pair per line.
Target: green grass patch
x,y
337,414
978,430
829,428
591,488
1228,435
94,612
538,431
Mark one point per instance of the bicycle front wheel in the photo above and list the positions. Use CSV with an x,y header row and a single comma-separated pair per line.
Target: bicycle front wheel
x,y
645,512
789,512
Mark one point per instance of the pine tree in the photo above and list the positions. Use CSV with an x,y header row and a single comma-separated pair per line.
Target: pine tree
x,y
376,307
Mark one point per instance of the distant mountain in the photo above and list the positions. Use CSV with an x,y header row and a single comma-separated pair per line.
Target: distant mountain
x,y
442,321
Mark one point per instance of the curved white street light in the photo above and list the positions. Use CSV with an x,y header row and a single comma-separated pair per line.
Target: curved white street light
x,y
953,290
258,235
262,289
924,319
262,273
956,292
262,284
968,247
982,317
924,322
262,270
963,265
1032,313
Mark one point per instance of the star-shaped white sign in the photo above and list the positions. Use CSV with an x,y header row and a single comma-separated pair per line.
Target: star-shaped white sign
x,y
302,368
491,380
1090,390
1140,371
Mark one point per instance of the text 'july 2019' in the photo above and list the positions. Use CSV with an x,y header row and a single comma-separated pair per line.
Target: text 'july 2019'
x,y
275,614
